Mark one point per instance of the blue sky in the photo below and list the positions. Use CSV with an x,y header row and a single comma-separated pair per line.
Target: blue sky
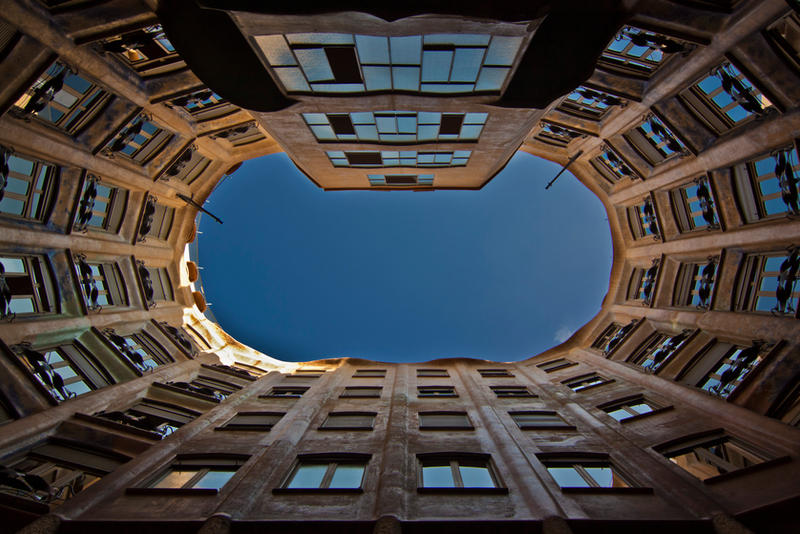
x,y
500,274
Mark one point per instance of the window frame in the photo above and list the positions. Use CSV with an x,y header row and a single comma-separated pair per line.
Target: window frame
x,y
512,392
202,464
47,191
371,415
454,460
555,364
333,461
579,463
626,405
495,373
436,391
550,420
285,392
361,392
466,424
586,378
232,424
45,298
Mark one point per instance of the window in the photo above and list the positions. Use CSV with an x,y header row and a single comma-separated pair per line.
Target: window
x,y
555,134
160,417
348,421
400,179
695,284
643,220
101,206
241,135
725,99
65,371
140,349
730,371
612,167
471,471
201,475
338,472
767,283
215,387
30,287
511,391
588,103
584,382
263,421
767,186
188,166
308,373
370,373
785,37
362,392
658,350
695,207
28,187
422,373
629,409
140,140
287,391
655,141
787,405
612,336
490,373
146,50
156,220
100,282
436,391
155,283
396,127
639,52
585,473
344,63
204,105
391,158
555,365
62,98
539,420
444,421
642,283
712,456
54,472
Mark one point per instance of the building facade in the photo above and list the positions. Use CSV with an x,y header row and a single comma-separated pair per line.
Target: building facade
x,y
124,408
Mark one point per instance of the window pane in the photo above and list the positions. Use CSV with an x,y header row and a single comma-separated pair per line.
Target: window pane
x,y
476,477
214,480
567,477
308,476
347,476
437,476
175,478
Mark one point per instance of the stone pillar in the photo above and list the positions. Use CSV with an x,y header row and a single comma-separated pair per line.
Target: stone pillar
x,y
387,524
725,524
47,524
216,524
555,525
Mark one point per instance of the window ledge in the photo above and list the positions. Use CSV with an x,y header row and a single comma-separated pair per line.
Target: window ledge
x,y
317,491
747,470
359,396
609,491
645,415
593,386
100,421
548,427
470,427
252,428
328,429
462,491
171,491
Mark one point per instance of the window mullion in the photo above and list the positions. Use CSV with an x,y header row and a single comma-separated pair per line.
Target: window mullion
x,y
585,475
459,483
196,478
326,479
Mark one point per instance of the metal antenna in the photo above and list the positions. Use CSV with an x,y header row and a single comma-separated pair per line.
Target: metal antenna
x,y
571,160
191,202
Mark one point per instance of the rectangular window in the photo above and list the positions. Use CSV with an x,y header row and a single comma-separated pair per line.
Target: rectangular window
x,y
638,52
188,166
612,166
337,473
30,287
612,336
140,140
361,392
422,373
511,391
161,417
695,284
287,392
444,421
784,35
643,220
396,127
589,104
730,371
584,382
66,371
403,158
659,350
533,420
449,472
215,387
101,283
349,421
141,349
155,283
490,373
101,206
62,98
766,186
629,409
436,391
555,365
555,134
580,473
370,373
195,473
709,457
400,180
345,63
30,187
695,207
725,99
204,105
262,421
655,141
767,283
642,283
146,50
156,220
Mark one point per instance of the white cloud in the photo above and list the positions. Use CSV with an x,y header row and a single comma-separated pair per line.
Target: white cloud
x,y
563,334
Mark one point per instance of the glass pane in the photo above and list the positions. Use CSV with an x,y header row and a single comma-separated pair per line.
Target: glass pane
x,y
21,305
491,79
619,414
315,64
372,49
13,265
214,479
476,477
502,50
406,50
276,50
175,478
308,476
605,477
20,165
347,476
437,476
567,477
406,78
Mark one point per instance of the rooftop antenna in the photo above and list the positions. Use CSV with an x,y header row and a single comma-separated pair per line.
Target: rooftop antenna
x,y
191,202
571,160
